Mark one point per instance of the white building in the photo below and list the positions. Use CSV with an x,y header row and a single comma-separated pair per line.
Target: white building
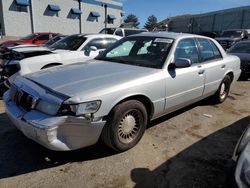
x,y
22,17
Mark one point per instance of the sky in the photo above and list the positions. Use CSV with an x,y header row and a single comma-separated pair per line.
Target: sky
x,y
163,9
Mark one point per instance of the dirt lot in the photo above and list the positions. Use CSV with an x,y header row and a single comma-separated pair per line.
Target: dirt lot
x,y
186,149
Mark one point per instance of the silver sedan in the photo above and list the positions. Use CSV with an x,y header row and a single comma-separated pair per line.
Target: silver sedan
x,y
113,97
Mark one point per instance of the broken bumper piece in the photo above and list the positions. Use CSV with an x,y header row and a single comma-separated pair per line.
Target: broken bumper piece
x,y
60,133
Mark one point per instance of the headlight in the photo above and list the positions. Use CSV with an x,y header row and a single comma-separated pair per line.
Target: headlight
x,y
245,138
86,108
47,107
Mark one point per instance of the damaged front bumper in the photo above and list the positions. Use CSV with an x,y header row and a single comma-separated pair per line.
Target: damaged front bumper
x,y
58,133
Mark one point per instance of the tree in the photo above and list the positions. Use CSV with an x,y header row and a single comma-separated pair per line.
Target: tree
x,y
132,20
151,23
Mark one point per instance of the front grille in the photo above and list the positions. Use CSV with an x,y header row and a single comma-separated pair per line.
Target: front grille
x,y
22,98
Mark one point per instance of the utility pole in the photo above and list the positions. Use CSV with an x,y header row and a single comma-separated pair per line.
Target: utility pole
x,y
31,18
80,17
105,13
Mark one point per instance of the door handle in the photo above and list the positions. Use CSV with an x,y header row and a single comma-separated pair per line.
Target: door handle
x,y
223,66
201,72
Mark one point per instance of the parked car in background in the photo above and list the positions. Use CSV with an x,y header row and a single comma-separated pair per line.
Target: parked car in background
x,y
71,49
242,50
53,40
122,32
209,34
242,156
113,97
230,37
35,38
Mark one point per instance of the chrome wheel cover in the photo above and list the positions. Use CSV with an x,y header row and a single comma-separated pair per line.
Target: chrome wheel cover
x,y
129,127
223,91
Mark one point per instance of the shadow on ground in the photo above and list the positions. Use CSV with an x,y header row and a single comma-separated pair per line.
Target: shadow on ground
x,y
205,164
20,155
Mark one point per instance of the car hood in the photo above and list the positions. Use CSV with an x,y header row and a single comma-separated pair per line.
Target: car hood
x,y
90,78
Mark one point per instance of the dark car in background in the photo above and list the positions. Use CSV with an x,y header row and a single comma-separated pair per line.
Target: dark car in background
x,y
241,155
242,50
230,37
209,34
35,38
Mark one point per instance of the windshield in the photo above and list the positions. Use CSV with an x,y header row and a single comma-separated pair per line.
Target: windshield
x,y
53,40
139,51
243,47
108,31
28,37
69,43
232,33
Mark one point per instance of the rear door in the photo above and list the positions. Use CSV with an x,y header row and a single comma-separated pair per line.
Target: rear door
x,y
212,62
185,85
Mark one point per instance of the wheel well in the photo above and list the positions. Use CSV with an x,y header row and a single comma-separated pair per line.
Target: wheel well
x,y
231,75
144,100
50,65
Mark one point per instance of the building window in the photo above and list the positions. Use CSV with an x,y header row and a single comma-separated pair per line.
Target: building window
x,y
55,8
52,10
111,19
76,11
22,2
93,16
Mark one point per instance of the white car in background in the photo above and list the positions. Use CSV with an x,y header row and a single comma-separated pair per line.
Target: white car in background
x,y
71,49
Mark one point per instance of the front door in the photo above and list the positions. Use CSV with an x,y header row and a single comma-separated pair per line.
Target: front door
x,y
184,85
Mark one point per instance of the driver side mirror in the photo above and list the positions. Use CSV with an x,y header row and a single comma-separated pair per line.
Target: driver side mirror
x,y
182,62
93,48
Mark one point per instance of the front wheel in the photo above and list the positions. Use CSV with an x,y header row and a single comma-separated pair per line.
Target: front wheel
x,y
223,91
125,125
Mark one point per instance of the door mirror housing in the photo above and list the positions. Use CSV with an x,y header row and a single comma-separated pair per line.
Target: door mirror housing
x,y
182,62
93,48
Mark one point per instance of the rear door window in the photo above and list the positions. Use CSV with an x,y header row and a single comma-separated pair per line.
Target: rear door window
x,y
208,50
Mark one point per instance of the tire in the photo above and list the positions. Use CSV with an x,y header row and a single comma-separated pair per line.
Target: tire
x,y
223,91
125,125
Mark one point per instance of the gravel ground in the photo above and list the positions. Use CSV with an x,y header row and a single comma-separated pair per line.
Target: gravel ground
x,y
191,148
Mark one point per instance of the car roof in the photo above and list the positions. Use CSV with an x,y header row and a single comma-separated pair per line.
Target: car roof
x,y
165,34
125,28
42,33
88,35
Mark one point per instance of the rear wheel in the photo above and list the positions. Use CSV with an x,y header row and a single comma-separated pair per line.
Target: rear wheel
x,y
125,125
223,91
